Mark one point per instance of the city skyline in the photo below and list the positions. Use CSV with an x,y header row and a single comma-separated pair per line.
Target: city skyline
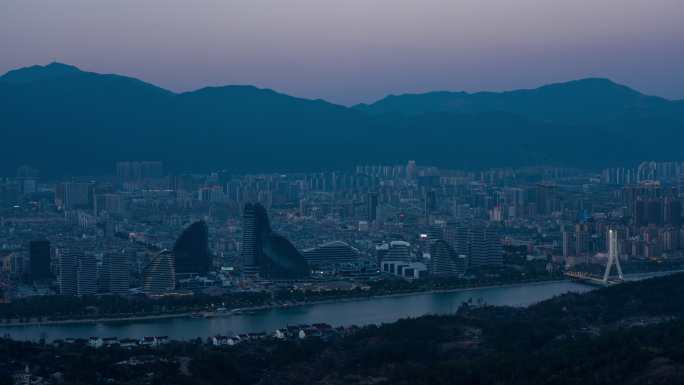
x,y
357,51
341,192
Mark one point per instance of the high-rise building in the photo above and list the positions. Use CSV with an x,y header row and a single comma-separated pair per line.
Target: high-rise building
x,y
249,246
456,235
136,171
372,214
444,261
265,253
68,274
109,203
485,246
672,211
117,272
191,250
645,202
159,276
430,202
77,274
546,201
654,212
581,238
436,231
39,254
71,195
87,275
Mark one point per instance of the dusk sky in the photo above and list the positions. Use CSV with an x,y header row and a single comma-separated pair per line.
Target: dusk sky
x,y
354,51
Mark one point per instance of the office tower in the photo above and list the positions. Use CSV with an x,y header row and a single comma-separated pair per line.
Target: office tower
x,y
248,252
669,239
191,250
68,274
639,213
71,195
39,254
484,246
372,214
265,253
77,274
642,201
445,261
87,275
581,238
159,276
117,273
430,202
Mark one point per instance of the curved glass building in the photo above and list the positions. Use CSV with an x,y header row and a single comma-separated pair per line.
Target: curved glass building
x,y
445,261
159,276
191,250
265,253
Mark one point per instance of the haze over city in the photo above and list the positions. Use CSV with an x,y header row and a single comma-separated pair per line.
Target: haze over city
x,y
355,51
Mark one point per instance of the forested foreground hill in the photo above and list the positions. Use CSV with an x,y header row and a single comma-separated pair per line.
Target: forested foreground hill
x,y
628,334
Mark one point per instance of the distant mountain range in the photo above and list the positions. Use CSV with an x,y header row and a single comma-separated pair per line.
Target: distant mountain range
x,y
62,120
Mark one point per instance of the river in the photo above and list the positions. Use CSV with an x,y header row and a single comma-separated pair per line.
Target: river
x,y
353,312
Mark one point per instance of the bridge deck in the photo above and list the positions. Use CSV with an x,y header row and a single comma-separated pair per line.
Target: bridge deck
x,y
591,279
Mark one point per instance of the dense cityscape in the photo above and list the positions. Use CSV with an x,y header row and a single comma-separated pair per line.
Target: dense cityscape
x,y
145,243
341,192
144,231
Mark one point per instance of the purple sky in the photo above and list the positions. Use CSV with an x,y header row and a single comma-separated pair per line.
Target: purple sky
x,y
349,51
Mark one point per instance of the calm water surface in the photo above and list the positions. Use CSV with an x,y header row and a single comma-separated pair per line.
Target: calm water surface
x,y
356,312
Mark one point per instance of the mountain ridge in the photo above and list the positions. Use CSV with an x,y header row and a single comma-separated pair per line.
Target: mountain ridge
x,y
599,96
56,116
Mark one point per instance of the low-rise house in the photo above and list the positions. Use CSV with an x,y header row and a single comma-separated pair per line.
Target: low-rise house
x,y
95,342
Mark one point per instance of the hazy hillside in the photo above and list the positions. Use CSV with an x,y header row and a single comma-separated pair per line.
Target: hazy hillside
x,y
591,100
66,121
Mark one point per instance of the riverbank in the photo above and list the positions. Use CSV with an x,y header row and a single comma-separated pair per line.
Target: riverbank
x,y
413,293
374,310
253,309
301,304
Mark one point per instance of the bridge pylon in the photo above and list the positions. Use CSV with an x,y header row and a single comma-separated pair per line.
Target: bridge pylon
x,y
613,256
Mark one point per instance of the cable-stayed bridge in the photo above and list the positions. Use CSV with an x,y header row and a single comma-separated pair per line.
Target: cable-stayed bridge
x,y
613,259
